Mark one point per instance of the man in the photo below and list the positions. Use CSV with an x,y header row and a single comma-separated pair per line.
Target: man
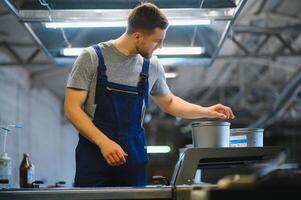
x,y
106,96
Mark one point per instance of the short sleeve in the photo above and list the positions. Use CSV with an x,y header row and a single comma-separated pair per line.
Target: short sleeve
x,y
160,86
82,72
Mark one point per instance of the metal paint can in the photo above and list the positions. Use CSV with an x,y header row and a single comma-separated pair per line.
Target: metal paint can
x,y
210,134
246,137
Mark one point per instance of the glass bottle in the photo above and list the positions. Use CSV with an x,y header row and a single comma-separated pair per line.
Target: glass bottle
x,y
26,172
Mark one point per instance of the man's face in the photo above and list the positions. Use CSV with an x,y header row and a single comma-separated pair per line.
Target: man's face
x,y
147,43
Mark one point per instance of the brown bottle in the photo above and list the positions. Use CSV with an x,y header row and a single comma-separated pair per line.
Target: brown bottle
x,y
26,172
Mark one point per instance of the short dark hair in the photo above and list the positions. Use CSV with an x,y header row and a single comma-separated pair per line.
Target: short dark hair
x,y
146,17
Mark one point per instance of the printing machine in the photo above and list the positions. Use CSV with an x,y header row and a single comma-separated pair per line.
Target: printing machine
x,y
210,165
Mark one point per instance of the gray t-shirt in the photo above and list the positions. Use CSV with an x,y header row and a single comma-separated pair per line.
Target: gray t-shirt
x,y
120,69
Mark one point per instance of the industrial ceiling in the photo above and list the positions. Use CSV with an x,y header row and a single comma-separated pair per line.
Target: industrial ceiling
x,y
251,58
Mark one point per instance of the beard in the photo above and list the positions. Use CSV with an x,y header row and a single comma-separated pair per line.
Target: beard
x,y
144,53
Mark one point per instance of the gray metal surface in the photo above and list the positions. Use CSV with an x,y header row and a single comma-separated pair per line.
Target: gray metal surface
x,y
193,157
210,123
164,192
210,134
179,192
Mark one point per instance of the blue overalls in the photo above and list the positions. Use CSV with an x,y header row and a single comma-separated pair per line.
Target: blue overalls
x,y
118,115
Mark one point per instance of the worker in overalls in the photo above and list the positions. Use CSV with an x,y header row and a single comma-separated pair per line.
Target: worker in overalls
x,y
106,97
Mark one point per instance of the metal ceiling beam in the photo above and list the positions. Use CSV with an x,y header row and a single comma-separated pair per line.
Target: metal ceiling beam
x,y
240,46
256,56
268,33
226,31
12,52
278,32
227,14
281,103
286,44
34,64
282,17
120,4
17,57
276,5
76,15
27,27
204,36
33,56
208,92
260,9
19,44
261,44
295,28
236,75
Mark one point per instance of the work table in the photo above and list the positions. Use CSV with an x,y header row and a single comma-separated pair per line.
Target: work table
x,y
155,192
184,192
181,192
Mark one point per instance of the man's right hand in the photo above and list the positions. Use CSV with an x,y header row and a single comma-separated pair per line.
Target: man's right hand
x,y
112,152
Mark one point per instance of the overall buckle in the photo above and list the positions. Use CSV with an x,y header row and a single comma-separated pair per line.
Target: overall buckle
x,y
143,79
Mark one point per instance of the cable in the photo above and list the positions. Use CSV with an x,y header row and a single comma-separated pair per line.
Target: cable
x,y
44,3
202,3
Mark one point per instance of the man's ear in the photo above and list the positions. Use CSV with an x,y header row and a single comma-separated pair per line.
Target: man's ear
x,y
137,35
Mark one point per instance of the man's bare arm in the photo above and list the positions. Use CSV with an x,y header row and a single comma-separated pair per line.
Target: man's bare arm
x,y
181,108
74,100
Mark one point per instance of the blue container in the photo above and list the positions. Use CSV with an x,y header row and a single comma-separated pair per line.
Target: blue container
x,y
246,137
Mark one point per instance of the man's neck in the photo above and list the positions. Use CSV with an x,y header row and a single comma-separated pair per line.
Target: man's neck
x,y
125,46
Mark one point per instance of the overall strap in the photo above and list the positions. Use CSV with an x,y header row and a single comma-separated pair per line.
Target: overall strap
x,y
101,73
101,64
143,83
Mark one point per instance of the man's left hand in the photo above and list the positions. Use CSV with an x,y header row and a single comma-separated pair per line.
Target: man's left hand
x,y
219,111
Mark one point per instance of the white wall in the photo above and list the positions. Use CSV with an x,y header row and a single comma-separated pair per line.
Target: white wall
x,y
46,136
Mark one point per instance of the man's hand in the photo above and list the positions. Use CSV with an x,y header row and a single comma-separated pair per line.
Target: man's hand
x,y
74,99
219,111
112,152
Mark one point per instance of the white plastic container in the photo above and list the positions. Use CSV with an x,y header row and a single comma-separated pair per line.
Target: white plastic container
x,y
5,161
5,170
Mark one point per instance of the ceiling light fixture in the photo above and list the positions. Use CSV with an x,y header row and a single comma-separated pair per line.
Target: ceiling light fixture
x,y
166,51
158,149
71,51
171,75
174,51
178,22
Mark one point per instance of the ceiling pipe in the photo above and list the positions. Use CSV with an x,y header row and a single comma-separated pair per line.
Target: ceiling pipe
x,y
280,103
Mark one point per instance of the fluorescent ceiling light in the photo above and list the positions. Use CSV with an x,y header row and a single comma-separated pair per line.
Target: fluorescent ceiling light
x,y
85,24
72,51
178,22
189,22
171,51
158,149
171,75
180,51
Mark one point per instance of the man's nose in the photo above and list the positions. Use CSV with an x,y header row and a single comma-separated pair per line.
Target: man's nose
x,y
160,45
